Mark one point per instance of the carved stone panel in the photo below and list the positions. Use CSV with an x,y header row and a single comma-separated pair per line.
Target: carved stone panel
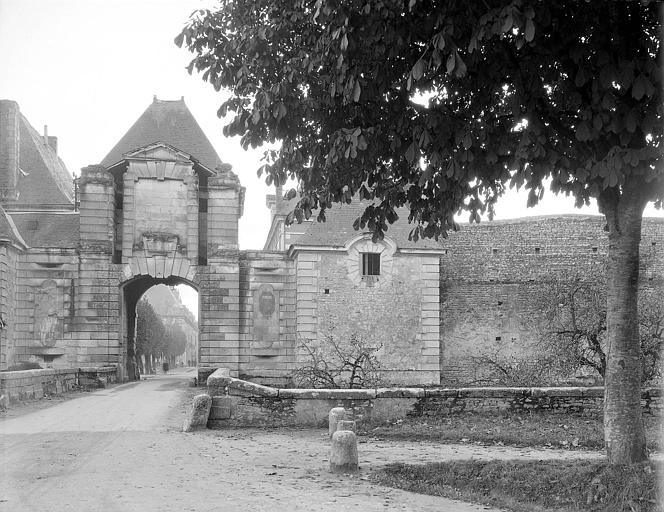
x,y
48,309
266,321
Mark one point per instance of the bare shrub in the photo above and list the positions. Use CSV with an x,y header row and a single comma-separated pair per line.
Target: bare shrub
x,y
337,364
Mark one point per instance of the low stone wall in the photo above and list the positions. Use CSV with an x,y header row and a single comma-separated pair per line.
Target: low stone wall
x,y
240,403
35,384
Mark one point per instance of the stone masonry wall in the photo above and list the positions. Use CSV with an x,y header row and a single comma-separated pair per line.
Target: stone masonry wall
x,y
398,312
494,275
35,384
240,403
267,337
8,273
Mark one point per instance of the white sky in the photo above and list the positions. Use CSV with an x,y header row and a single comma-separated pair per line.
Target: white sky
x,y
89,68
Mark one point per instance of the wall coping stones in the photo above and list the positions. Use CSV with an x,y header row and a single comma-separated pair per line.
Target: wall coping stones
x,y
399,392
442,392
597,391
563,391
30,374
221,380
329,394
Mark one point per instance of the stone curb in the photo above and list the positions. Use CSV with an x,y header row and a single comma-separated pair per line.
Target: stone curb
x,y
221,379
399,392
329,394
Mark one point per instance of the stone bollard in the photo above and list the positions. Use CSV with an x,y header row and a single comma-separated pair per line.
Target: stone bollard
x,y
337,414
198,416
347,425
343,454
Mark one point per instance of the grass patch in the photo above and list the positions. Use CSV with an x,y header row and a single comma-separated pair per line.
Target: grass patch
x,y
530,486
548,430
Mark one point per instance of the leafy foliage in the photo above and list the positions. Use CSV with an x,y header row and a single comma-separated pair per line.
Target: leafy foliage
x,y
335,364
439,105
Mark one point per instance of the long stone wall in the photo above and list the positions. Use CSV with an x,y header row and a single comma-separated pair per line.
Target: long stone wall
x,y
240,403
495,276
35,384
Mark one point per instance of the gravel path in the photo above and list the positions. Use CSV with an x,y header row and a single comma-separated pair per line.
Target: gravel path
x,y
121,449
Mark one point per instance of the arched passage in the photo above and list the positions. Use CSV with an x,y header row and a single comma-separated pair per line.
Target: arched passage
x,y
131,292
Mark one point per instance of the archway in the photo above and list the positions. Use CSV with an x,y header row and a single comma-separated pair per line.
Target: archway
x,y
131,293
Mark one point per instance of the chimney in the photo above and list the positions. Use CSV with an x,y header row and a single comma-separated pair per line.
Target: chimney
x,y
50,141
9,149
53,142
279,206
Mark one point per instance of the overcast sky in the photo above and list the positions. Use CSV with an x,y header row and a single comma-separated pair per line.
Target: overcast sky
x,y
89,68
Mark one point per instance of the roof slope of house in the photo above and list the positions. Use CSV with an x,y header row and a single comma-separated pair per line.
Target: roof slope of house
x,y
48,229
170,122
43,179
338,228
8,230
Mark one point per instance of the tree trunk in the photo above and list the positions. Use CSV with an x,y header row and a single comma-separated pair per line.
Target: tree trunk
x,y
623,425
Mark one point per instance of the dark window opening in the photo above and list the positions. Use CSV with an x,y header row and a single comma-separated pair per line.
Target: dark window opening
x,y
327,291
495,251
498,338
594,249
370,264
117,257
537,250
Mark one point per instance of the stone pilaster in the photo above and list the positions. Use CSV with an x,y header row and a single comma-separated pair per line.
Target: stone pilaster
x,y
430,320
97,210
219,322
9,149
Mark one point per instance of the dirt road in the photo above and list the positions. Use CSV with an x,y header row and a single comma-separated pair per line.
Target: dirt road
x,y
121,449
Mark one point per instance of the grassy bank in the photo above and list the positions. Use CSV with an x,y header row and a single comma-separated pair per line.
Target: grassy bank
x,y
548,430
531,486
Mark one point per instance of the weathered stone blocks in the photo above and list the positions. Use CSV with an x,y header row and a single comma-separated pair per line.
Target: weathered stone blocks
x,y
343,452
347,425
198,416
335,416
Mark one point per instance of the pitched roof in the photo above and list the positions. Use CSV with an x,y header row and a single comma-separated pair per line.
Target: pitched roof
x,y
48,229
8,230
43,179
338,228
170,122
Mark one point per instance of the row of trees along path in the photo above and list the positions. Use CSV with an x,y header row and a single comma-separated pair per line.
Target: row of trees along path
x,y
156,341
440,105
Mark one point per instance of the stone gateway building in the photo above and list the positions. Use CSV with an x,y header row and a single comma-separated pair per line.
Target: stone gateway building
x,y
162,208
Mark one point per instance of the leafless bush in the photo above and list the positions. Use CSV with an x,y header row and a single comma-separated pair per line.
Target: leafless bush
x,y
337,364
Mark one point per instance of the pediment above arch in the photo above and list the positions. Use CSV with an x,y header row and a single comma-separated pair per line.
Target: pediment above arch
x,y
161,161
159,151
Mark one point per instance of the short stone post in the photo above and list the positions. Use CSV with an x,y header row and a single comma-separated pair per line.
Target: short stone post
x,y
198,416
343,455
347,425
337,414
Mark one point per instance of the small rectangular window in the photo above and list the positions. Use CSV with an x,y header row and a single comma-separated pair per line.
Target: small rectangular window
x,y
370,264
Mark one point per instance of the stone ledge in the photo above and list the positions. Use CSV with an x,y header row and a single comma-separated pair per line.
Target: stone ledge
x,y
329,394
221,380
399,392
